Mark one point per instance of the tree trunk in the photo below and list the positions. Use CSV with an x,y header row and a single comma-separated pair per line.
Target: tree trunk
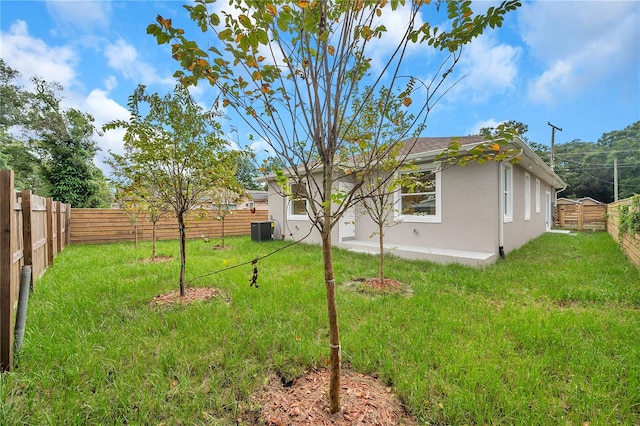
x,y
334,333
222,231
183,254
381,241
153,242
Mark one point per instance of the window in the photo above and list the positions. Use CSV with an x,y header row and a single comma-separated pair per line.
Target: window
x,y
537,195
507,188
527,196
419,196
297,203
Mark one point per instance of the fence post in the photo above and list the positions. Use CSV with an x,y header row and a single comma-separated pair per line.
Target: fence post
x,y
67,226
7,200
58,226
27,236
580,217
50,252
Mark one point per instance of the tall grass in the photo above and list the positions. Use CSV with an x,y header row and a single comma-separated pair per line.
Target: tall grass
x,y
548,336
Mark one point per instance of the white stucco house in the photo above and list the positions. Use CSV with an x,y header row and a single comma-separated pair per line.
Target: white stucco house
x,y
470,215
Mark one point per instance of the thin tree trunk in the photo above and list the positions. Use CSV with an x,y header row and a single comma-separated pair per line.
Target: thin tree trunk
x,y
183,254
334,333
135,235
222,231
153,242
381,241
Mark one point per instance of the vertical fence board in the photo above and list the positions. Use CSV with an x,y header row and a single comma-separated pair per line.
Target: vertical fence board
x,y
28,225
50,228
27,231
7,225
58,213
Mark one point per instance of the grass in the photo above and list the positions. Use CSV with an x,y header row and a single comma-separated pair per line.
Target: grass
x,y
548,336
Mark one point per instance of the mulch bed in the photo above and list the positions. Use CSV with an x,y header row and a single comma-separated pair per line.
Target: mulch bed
x,y
192,294
364,401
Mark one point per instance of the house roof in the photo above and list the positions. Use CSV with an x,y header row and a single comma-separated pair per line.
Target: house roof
x,y
593,200
436,145
424,149
258,195
564,200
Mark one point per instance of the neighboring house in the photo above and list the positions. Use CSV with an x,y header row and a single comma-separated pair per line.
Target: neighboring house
x,y
470,215
258,200
585,201
562,201
588,201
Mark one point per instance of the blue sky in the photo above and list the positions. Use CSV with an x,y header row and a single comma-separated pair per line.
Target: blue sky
x,y
573,63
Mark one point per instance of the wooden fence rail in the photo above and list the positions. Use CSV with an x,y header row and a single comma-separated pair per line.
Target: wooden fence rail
x,y
630,243
33,230
113,225
581,217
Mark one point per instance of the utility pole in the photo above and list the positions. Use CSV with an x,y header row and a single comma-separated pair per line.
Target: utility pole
x,y
615,178
553,137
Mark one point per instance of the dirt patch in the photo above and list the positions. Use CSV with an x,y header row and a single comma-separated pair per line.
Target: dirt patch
x,y
191,295
375,286
158,259
364,401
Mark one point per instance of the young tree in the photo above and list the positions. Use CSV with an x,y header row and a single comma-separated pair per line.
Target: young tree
x,y
178,149
377,187
223,202
291,69
131,203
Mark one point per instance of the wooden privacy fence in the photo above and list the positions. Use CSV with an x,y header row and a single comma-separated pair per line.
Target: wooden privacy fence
x,y
581,217
33,230
630,243
113,225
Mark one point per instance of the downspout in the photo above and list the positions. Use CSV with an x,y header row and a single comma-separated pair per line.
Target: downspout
x,y
501,210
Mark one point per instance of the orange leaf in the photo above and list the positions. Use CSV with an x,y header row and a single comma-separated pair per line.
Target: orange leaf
x,y
175,381
332,50
271,9
166,23
303,4
495,147
407,101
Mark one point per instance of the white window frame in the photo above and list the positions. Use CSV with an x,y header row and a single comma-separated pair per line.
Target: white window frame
x,y
291,201
537,195
436,218
507,192
527,196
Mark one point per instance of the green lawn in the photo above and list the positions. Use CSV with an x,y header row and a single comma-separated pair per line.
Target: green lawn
x,y
551,335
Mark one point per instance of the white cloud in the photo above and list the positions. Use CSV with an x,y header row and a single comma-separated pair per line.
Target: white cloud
x,y
123,57
33,57
489,68
491,123
580,46
110,83
104,109
85,15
